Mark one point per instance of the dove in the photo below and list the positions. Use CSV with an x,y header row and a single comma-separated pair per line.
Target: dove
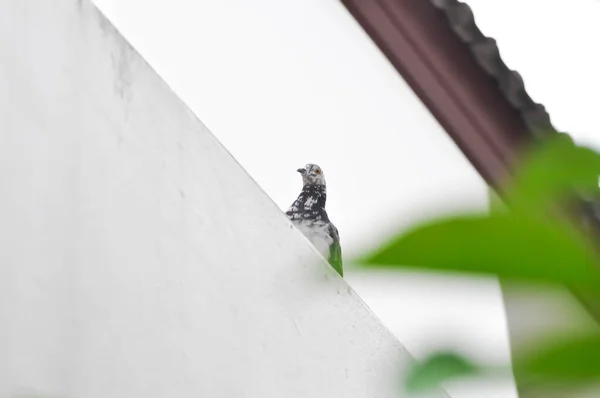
x,y
308,214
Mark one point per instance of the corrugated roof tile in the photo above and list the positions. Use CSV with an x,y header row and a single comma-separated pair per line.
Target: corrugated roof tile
x,y
486,52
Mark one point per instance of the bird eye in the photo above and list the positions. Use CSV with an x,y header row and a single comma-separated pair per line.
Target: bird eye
x,y
318,171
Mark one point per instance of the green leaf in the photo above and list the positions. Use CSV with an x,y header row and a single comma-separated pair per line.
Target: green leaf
x,y
572,361
551,171
437,369
512,246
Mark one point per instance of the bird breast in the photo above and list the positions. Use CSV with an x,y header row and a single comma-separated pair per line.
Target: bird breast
x,y
317,234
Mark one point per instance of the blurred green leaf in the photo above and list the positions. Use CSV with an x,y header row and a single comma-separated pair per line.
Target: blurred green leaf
x,y
571,361
568,363
525,244
437,369
507,245
551,171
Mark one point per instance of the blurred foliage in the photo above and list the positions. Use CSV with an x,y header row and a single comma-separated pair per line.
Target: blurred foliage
x,y
574,360
512,246
532,242
438,368
551,173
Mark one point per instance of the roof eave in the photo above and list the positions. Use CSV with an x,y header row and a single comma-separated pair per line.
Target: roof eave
x,y
458,74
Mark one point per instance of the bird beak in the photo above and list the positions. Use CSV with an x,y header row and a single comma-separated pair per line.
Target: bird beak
x,y
301,171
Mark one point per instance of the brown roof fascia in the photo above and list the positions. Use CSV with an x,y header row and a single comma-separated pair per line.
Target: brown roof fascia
x,y
458,74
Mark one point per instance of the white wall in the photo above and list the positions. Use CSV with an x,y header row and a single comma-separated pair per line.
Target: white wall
x,y
138,258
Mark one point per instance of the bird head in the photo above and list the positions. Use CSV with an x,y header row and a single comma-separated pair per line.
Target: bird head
x,y
312,174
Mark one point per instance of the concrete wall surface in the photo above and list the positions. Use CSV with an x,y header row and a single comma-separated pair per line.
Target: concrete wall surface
x,y
138,258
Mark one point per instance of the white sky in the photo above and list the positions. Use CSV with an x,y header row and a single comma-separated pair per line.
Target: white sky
x,y
553,44
283,83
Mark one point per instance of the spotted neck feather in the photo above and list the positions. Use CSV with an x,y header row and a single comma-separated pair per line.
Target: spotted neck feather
x,y
310,204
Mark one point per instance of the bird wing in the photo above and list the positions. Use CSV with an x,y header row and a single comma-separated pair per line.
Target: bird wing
x,y
335,250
